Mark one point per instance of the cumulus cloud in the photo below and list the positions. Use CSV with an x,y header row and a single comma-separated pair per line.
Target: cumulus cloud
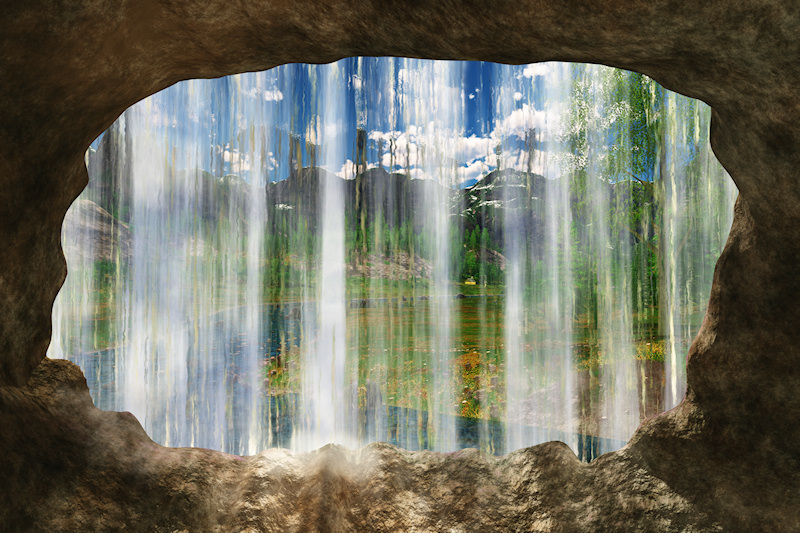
x,y
520,121
348,170
400,149
382,136
418,174
408,78
423,151
238,162
434,142
473,147
536,69
434,145
417,147
474,170
273,95
272,162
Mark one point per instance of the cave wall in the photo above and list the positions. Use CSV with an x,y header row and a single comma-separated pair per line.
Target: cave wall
x,y
728,457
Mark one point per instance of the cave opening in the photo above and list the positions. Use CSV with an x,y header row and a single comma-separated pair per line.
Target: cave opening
x,y
434,254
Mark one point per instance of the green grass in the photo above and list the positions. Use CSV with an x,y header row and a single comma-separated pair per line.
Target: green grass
x,y
394,344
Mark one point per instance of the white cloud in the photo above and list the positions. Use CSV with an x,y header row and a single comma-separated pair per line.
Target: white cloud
x,y
272,162
472,148
474,170
348,170
408,78
520,121
273,96
375,135
390,162
434,141
400,150
440,147
536,69
238,162
418,174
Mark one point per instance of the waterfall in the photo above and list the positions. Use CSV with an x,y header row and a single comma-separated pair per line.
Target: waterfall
x,y
432,254
325,394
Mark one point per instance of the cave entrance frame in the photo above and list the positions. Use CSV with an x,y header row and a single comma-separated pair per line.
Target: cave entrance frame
x,y
727,53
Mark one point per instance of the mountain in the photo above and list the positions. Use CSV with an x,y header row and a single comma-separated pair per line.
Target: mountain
x,y
92,234
376,194
385,213
391,198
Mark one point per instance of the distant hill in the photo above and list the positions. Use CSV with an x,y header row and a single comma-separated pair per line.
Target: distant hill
x,y
503,206
393,198
95,235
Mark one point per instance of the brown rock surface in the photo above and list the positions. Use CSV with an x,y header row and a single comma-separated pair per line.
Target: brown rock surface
x,y
71,467
727,458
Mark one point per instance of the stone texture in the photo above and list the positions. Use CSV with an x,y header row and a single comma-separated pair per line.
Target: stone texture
x,y
725,459
71,467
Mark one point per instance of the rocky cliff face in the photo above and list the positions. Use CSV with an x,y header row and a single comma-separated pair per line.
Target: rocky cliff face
x,y
95,234
727,458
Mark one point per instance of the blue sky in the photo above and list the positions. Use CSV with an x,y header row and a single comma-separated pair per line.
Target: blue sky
x,y
436,119
445,117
